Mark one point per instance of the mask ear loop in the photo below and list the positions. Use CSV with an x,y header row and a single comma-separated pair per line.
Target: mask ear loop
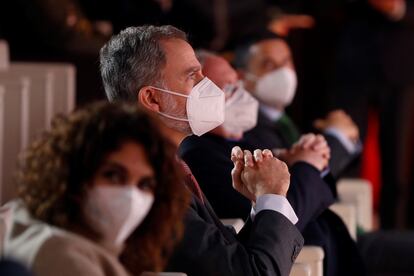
x,y
170,92
175,94
172,117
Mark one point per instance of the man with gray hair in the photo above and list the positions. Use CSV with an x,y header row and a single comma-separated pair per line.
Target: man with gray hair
x,y
157,68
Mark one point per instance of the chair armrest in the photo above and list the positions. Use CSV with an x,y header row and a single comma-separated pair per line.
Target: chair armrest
x,y
358,192
312,256
347,212
300,269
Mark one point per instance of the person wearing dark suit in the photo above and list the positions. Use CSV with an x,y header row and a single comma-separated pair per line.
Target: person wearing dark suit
x,y
156,68
269,74
375,72
283,133
378,249
309,194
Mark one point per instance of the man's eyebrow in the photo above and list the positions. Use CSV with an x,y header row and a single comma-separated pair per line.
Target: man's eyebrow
x,y
193,69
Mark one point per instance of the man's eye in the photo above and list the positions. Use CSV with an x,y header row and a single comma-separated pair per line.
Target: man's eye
x,y
192,76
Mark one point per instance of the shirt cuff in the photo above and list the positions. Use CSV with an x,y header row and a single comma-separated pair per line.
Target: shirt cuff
x,y
351,147
325,172
276,203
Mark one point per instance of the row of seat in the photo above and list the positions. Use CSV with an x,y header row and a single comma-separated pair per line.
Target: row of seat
x,y
30,95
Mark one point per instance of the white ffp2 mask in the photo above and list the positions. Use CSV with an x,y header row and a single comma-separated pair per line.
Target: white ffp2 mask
x,y
277,88
205,107
115,211
241,110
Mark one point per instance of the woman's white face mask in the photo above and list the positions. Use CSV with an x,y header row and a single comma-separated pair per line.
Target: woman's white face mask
x,y
276,88
205,107
116,211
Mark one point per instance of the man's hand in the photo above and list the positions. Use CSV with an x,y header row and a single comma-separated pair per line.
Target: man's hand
x,y
259,173
340,120
310,148
237,156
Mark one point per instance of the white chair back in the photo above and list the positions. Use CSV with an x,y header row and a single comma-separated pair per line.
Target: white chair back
x,y
301,270
63,84
358,192
34,93
312,256
347,212
14,118
4,55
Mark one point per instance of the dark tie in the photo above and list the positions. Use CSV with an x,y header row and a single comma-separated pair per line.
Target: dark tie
x,y
288,129
192,183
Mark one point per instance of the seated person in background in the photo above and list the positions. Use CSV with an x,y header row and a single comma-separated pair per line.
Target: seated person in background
x,y
309,194
156,68
211,152
269,74
100,194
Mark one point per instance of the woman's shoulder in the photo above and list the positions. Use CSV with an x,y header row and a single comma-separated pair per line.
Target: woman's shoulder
x,y
48,250
65,253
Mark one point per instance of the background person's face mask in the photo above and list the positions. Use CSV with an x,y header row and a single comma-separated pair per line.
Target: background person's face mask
x,y
276,88
115,211
205,107
241,110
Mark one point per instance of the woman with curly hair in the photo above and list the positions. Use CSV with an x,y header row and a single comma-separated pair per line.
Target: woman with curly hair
x,y
100,194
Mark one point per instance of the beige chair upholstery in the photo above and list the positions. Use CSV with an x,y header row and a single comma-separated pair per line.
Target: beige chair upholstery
x,y
4,55
312,256
40,98
301,269
52,90
2,137
358,192
63,82
15,119
347,212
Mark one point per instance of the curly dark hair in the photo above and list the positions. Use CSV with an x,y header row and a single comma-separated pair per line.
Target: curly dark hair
x,y
53,173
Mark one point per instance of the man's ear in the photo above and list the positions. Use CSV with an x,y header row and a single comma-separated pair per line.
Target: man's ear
x,y
149,98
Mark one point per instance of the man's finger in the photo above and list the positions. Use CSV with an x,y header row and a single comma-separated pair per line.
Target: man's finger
x,y
248,159
308,141
267,153
257,154
237,152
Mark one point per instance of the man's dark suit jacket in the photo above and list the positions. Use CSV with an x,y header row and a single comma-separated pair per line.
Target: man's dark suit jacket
x,y
266,246
268,134
209,159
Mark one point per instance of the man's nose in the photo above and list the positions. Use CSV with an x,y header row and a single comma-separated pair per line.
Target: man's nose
x,y
199,76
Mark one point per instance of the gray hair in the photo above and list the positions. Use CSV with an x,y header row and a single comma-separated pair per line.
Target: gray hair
x,y
133,59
